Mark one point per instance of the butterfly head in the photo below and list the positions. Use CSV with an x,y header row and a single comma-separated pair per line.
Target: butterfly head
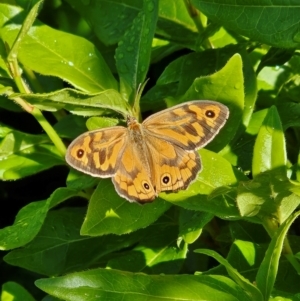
x,y
131,121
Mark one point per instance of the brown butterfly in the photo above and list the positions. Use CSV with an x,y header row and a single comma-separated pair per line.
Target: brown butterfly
x,y
156,155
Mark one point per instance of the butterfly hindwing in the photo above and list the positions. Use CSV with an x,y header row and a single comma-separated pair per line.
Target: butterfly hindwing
x,y
174,167
132,179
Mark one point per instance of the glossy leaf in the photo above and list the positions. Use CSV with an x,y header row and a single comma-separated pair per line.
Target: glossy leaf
x,y
108,213
267,272
134,49
289,114
157,252
251,290
30,219
269,194
12,291
84,68
24,154
70,126
211,178
269,149
252,20
191,224
241,149
173,20
78,102
94,123
80,181
54,249
101,284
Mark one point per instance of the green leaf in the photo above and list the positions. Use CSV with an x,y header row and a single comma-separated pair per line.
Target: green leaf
x,y
174,21
23,154
99,15
70,126
289,114
78,102
162,49
134,49
108,213
270,23
80,181
242,230
275,57
245,255
269,194
241,149
30,219
269,149
175,24
15,141
290,88
33,161
211,180
267,272
270,81
8,104
4,71
101,284
187,68
4,131
158,251
250,289
95,123
55,249
84,68
191,224
12,291
183,73
152,100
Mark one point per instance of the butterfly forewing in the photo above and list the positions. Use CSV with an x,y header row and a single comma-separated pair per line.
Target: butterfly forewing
x,y
190,125
97,152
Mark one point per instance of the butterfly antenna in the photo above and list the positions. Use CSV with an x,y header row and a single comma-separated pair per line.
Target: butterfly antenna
x,y
138,96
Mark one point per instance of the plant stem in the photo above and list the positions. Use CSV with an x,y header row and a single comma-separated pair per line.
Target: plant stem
x,y
49,130
195,15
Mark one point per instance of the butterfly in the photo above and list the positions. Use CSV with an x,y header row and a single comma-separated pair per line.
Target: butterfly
x,y
156,155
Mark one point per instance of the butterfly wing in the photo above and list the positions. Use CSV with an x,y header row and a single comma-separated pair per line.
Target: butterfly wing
x,y
173,167
190,125
132,179
174,135
98,152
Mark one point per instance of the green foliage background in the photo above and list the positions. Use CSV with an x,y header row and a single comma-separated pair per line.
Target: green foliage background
x,y
68,66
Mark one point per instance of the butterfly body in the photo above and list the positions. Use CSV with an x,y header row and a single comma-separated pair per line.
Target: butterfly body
x,y
157,155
